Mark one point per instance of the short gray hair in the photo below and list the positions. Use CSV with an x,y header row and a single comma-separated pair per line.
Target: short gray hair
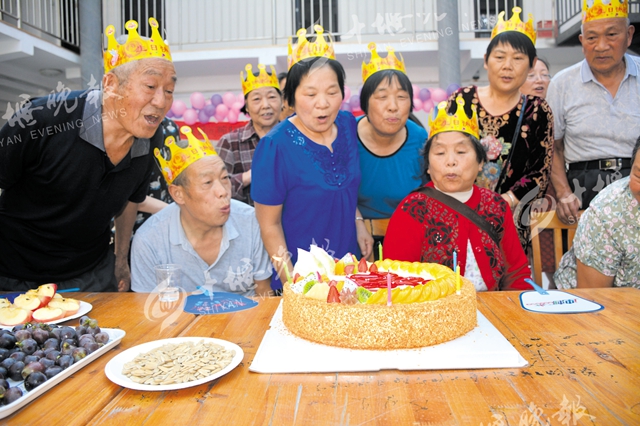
x,y
122,72
181,180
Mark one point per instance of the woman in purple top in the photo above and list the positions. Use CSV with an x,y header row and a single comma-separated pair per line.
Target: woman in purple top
x,y
306,171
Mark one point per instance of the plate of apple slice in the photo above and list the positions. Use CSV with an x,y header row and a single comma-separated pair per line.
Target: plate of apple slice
x,y
43,305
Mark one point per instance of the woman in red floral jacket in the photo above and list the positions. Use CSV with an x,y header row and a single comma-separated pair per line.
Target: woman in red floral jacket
x,y
429,224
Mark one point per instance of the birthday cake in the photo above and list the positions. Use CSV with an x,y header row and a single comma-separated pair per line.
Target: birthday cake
x,y
347,303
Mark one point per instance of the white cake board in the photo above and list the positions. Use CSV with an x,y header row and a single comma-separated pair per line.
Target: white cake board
x,y
283,352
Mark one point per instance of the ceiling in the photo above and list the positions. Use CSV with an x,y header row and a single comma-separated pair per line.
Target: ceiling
x,y
22,57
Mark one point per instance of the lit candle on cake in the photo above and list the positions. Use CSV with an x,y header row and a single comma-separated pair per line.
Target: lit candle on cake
x,y
455,260
380,251
286,267
388,289
457,279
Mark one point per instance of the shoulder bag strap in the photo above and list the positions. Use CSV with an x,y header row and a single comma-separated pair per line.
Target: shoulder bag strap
x,y
507,163
463,209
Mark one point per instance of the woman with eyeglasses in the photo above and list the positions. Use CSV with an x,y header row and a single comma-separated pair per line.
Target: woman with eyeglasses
x,y
515,130
538,80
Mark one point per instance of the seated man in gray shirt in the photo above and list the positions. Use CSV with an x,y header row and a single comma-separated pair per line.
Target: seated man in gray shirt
x,y
215,239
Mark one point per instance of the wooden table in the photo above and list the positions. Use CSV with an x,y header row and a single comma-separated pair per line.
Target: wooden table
x,y
582,367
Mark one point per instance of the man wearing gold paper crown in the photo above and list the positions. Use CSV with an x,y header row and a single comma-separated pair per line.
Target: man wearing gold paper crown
x,y
263,103
77,167
451,214
215,239
596,104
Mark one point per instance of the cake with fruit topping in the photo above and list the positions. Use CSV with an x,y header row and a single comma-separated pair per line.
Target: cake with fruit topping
x,y
345,302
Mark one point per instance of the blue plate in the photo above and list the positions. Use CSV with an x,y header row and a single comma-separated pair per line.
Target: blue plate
x,y
217,303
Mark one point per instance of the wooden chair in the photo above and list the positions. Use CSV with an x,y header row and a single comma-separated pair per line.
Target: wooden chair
x,y
549,220
377,227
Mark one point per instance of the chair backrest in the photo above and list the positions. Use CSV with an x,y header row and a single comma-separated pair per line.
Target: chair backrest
x,y
379,227
549,220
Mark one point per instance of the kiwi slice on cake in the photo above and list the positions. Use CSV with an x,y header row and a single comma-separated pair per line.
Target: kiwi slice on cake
x,y
362,294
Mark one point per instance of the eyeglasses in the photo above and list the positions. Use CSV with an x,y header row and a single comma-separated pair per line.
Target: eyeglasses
x,y
534,76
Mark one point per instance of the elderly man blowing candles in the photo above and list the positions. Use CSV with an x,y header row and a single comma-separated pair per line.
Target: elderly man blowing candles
x,y
215,239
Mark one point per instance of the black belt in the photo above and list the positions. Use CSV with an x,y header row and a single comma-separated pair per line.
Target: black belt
x,y
605,164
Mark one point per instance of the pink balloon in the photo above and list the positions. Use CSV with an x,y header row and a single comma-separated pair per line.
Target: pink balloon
x,y
228,99
240,97
232,116
221,112
438,95
237,106
197,100
417,104
416,89
190,117
427,105
347,92
178,108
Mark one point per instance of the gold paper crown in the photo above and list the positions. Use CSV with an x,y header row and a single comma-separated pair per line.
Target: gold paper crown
x,y
135,47
305,49
391,62
459,122
262,80
515,24
599,10
181,158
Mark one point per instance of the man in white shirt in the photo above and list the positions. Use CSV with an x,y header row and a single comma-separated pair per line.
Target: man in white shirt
x,y
596,105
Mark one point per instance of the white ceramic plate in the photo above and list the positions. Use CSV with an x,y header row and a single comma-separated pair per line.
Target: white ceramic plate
x,y
113,370
115,336
85,308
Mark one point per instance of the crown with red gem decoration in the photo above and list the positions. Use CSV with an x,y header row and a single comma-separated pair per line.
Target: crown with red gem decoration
x,y
264,79
458,122
391,62
515,24
305,49
181,158
135,47
601,10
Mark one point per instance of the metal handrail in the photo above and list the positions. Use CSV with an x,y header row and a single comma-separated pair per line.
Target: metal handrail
x,y
566,10
277,20
57,19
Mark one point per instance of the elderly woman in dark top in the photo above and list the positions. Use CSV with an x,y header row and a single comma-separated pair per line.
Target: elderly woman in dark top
x,y
263,104
516,130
